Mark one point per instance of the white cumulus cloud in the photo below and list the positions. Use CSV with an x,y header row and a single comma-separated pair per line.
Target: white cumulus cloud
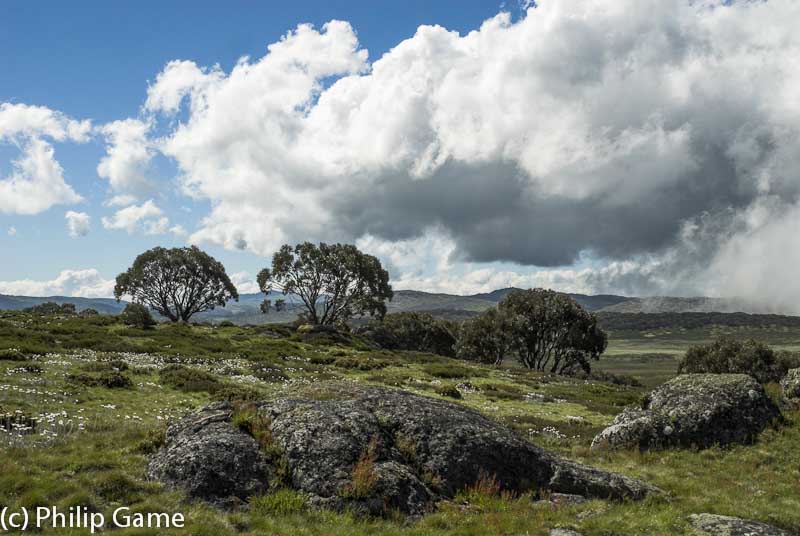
x,y
86,283
78,223
245,283
128,153
36,181
146,218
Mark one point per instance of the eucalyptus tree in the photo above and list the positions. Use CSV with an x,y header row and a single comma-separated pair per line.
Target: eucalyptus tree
x,y
333,282
551,332
177,283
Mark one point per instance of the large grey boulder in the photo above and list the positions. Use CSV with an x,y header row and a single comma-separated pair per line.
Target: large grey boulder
x,y
791,385
693,410
714,525
370,448
212,459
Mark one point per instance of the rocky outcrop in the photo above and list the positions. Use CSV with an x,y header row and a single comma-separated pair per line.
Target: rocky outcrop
x,y
210,458
714,525
791,385
370,448
694,410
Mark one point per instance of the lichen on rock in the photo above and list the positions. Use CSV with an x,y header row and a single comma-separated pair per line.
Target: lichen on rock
x,y
371,449
791,385
693,410
716,525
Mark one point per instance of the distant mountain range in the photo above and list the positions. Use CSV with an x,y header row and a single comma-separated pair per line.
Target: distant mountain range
x,y
247,309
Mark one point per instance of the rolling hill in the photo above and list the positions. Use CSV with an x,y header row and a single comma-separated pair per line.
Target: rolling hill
x,y
450,306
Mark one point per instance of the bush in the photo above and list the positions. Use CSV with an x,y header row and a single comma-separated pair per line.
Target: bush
x,y
190,380
109,380
787,361
88,312
411,331
136,314
12,354
449,391
486,338
732,356
361,363
447,371
52,308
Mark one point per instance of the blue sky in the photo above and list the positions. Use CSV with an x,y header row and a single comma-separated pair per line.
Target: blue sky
x,y
642,147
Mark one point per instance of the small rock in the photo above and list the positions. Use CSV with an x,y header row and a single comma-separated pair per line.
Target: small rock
x,y
699,410
714,525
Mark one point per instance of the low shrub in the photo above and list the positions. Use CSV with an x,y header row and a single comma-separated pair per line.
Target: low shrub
x,y
448,390
447,371
109,380
360,363
322,359
732,356
103,366
786,361
52,308
411,331
12,354
501,391
136,314
189,380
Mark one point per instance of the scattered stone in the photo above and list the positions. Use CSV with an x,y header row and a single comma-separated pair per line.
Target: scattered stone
x,y
562,499
791,385
369,448
715,525
693,410
564,532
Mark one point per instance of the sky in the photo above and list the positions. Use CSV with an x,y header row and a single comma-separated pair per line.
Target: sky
x,y
637,147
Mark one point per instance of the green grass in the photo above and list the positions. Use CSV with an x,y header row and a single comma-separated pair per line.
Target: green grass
x,y
85,435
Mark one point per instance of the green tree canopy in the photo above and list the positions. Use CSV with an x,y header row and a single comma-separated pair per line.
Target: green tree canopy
x,y
487,338
551,331
333,282
177,282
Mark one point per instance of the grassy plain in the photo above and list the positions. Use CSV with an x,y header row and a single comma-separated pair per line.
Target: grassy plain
x,y
85,400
